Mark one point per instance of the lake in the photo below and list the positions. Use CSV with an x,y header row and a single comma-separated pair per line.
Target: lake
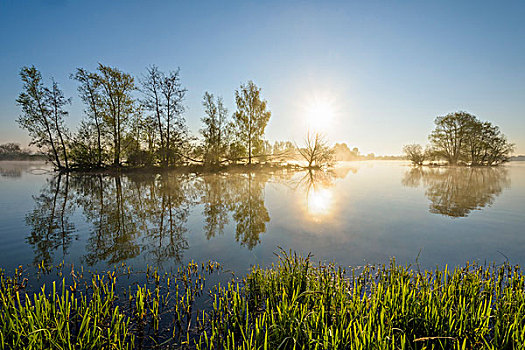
x,y
358,213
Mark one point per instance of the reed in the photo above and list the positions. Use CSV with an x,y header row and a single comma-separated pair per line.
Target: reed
x,y
294,304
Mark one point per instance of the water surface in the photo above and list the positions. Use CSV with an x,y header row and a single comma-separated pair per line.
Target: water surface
x,y
360,212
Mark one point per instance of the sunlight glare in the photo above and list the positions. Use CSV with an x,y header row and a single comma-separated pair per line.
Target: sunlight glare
x,y
319,202
319,114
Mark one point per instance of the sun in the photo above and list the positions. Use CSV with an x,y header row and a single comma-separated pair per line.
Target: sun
x,y
319,114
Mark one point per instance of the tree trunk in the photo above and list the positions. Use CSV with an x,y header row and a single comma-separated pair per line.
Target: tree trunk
x,y
250,150
50,135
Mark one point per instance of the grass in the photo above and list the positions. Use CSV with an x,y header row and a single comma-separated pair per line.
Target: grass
x,y
294,304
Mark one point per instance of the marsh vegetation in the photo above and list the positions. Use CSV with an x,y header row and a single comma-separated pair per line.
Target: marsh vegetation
x,y
292,304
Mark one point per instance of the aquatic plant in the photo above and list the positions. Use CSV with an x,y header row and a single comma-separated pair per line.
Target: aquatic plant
x,y
293,304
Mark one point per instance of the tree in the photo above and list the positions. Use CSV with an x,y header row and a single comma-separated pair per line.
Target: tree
x,y
486,145
343,153
415,153
251,116
164,96
90,94
215,131
43,115
176,131
283,150
57,102
152,89
316,152
84,151
10,148
450,135
118,103
461,137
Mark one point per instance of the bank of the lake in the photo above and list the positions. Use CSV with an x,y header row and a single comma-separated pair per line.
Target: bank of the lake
x,y
292,304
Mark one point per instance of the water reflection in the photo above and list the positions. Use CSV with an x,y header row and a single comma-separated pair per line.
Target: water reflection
x,y
10,172
318,188
51,228
238,195
456,191
249,211
145,214
316,184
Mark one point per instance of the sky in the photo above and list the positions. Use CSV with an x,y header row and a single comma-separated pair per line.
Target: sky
x,y
377,72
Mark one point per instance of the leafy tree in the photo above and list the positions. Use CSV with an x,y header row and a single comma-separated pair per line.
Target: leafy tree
x,y
415,153
283,150
43,115
10,148
215,131
450,135
251,116
57,102
90,93
118,103
153,101
342,152
84,150
164,96
461,137
486,145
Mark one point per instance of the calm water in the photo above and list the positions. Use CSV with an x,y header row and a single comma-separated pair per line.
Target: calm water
x,y
362,212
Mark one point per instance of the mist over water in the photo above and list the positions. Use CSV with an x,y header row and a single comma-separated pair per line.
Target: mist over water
x,y
359,212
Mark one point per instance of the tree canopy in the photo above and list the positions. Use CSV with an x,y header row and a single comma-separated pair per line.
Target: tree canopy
x,y
251,117
461,138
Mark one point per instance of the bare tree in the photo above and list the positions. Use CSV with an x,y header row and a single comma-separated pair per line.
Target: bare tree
x,y
316,152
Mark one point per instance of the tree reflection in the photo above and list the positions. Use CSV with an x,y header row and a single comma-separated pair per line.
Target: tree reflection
x,y
456,191
168,200
51,230
10,172
217,200
319,197
242,196
144,214
249,211
106,205
136,214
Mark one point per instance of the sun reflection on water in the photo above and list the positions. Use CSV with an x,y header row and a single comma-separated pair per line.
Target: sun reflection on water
x,y
319,203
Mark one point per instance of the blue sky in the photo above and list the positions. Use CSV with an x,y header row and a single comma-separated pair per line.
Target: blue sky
x,y
387,69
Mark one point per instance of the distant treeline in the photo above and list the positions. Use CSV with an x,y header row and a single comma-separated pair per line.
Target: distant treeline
x,y
12,151
342,152
461,138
